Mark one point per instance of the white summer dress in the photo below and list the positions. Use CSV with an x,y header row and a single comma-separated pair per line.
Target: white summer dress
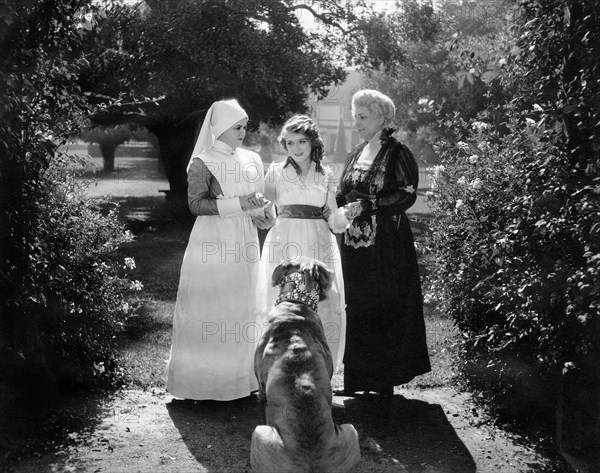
x,y
291,237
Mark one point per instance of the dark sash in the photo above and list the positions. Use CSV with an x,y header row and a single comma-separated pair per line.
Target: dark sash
x,y
299,211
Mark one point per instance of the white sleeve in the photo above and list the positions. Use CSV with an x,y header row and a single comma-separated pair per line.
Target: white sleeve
x,y
338,222
229,206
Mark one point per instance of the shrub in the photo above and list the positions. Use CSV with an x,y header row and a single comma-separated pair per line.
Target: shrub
x,y
70,294
62,295
517,230
511,242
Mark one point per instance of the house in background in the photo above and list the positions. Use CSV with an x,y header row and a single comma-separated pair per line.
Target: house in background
x,y
333,116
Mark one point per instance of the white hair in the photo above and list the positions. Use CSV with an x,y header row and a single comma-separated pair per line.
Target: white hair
x,y
376,102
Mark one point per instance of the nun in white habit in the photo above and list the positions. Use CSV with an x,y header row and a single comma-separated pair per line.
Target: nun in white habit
x,y
215,329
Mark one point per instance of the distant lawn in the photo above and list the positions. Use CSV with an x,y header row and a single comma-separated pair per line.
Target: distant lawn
x,y
161,239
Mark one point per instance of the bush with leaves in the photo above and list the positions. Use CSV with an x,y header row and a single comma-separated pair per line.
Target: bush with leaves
x,y
71,297
508,243
517,228
62,295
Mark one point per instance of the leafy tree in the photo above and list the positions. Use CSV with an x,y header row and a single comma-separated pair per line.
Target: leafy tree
x,y
443,50
176,58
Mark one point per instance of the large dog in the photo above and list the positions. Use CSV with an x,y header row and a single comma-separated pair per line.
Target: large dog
x,y
293,366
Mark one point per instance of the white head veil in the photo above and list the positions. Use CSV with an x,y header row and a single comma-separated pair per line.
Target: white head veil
x,y
221,116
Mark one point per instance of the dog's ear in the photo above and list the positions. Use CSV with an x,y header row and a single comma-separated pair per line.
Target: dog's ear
x,y
307,267
325,280
279,272
322,274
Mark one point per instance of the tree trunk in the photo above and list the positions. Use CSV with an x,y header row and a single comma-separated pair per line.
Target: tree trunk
x,y
176,143
175,152
108,148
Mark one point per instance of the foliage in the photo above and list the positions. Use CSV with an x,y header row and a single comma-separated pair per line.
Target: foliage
x,y
265,139
177,57
71,300
505,244
517,229
444,52
194,53
381,48
61,294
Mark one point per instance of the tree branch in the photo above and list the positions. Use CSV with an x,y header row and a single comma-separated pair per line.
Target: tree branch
x,y
326,19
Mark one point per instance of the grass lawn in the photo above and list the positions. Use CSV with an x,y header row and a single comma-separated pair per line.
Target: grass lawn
x,y
158,249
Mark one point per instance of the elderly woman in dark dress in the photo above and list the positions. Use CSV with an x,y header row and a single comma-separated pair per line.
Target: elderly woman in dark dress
x,y
385,338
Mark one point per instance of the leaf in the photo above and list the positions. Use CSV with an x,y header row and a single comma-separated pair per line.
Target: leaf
x,y
461,78
489,76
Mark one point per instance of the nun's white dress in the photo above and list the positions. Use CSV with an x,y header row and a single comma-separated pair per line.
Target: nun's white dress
x,y
215,330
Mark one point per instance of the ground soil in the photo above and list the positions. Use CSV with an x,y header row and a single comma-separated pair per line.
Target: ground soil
x,y
420,431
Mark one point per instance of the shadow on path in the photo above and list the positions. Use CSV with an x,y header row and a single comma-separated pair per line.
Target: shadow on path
x,y
400,435
36,435
406,434
217,433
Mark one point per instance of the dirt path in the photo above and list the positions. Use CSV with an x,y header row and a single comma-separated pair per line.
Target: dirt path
x,y
422,431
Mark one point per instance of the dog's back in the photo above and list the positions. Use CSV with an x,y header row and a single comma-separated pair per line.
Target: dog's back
x,y
296,368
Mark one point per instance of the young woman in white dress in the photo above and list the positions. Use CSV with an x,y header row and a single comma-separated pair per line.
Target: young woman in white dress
x,y
215,329
303,190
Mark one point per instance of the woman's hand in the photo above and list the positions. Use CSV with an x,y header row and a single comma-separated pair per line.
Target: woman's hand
x,y
264,223
254,200
357,208
267,220
352,210
326,211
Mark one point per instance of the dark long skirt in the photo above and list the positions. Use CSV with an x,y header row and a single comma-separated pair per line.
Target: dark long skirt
x,y
385,332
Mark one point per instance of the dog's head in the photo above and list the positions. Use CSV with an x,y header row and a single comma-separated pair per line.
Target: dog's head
x,y
314,271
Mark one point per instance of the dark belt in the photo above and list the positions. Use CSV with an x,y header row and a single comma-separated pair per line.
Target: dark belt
x,y
299,211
